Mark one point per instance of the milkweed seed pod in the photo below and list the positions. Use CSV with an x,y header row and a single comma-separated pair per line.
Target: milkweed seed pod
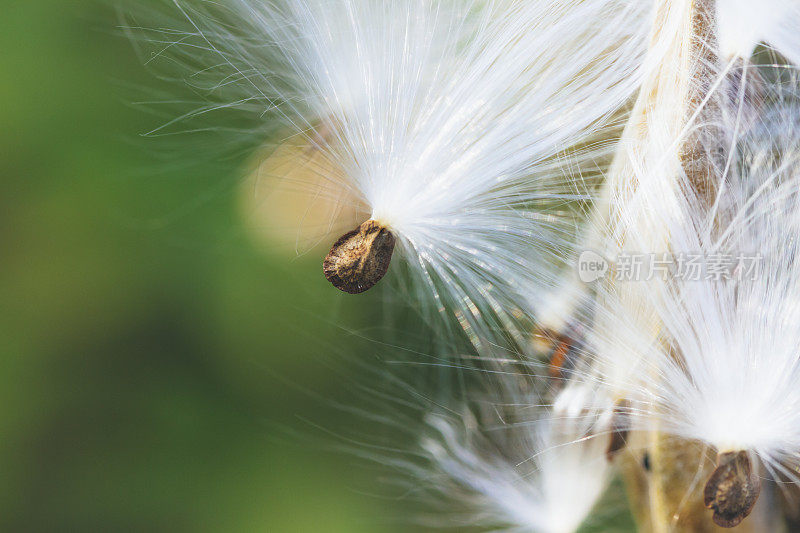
x,y
676,190
730,375
619,322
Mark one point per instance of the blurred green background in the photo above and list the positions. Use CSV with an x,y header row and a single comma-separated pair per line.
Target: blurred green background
x,y
158,371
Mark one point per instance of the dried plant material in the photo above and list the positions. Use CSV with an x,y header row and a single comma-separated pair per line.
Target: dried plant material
x,y
660,477
360,259
667,497
733,489
675,485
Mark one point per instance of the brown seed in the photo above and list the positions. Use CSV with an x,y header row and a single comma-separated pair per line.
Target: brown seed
x,y
619,429
733,489
361,258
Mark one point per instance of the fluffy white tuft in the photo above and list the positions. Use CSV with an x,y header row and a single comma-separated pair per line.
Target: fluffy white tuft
x,y
744,24
730,375
546,480
713,356
708,168
456,124
615,318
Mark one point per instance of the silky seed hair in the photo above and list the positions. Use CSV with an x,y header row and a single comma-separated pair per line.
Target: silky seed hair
x,y
512,465
744,25
737,361
463,129
617,324
723,367
703,181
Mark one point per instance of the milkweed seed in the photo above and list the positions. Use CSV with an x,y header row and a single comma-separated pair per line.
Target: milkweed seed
x,y
360,258
733,489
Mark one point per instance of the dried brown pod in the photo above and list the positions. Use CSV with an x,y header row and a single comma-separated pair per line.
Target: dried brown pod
x,y
360,258
733,489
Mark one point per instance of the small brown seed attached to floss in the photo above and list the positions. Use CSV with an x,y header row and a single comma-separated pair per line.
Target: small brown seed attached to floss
x,y
733,489
360,258
619,429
